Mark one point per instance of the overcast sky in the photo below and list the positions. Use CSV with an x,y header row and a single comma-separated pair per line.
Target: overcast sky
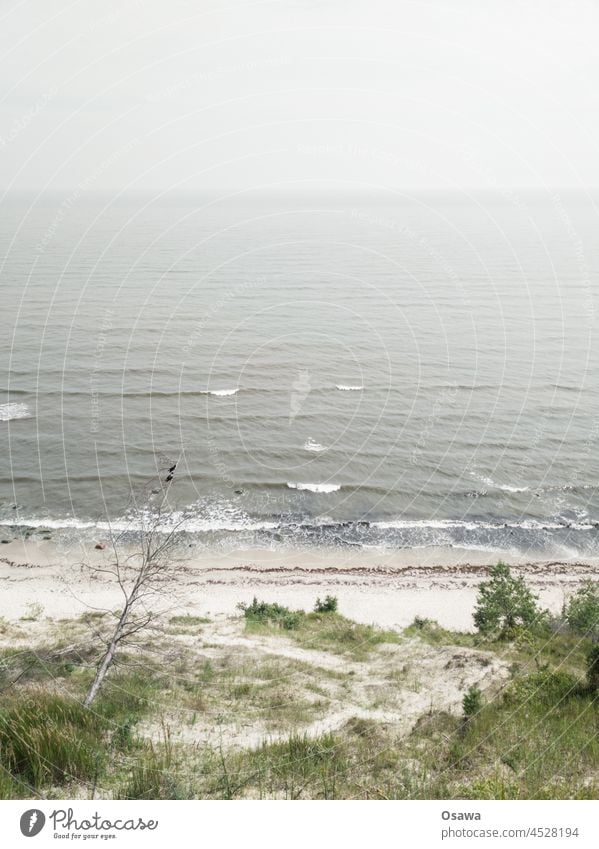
x,y
212,95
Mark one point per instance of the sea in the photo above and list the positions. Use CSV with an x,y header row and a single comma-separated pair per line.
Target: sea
x,y
375,370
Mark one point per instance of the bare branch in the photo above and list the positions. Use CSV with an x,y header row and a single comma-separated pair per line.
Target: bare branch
x,y
140,575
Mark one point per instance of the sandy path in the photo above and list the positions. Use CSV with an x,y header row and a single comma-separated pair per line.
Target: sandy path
x,y
395,685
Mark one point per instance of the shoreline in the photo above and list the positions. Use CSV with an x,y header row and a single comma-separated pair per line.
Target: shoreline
x,y
387,588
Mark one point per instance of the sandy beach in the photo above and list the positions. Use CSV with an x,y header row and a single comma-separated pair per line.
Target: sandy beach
x,y
383,588
207,683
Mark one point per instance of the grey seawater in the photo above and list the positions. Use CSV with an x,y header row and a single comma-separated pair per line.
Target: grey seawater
x,y
463,331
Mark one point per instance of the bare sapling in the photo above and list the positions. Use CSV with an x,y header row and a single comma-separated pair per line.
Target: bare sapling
x,y
142,574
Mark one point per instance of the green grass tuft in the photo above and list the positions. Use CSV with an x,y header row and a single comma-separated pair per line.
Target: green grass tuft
x,y
189,620
46,738
325,630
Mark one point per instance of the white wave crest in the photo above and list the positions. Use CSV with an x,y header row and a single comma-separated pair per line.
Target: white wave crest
x,y
504,487
448,524
220,392
189,524
315,487
14,411
311,445
345,388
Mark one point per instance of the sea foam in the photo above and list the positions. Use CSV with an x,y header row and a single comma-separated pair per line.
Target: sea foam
x,y
448,524
504,487
315,487
311,445
14,411
176,521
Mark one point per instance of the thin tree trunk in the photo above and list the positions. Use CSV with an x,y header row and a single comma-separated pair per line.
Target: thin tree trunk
x,y
107,659
147,577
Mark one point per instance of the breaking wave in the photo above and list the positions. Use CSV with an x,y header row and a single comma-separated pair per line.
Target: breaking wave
x,y
504,487
316,487
8,412
311,445
179,521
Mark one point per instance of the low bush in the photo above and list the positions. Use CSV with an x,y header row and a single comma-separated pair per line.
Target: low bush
x,y
472,702
582,610
265,613
593,669
329,605
505,605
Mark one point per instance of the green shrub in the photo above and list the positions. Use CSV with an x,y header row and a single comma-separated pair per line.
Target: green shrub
x,y
472,702
505,604
431,632
329,605
265,613
292,620
593,669
582,610
545,688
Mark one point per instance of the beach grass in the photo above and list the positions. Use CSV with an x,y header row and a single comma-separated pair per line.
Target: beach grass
x,y
189,620
324,631
47,739
224,723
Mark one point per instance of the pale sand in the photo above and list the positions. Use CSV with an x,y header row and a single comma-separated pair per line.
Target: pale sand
x,y
386,588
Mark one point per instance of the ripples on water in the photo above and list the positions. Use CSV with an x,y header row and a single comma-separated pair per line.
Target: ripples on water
x,y
461,332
